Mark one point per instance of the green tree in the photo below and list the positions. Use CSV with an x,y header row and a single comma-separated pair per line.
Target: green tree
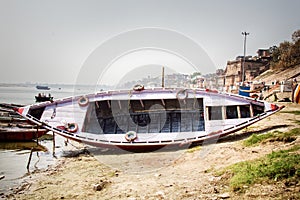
x,y
287,54
275,54
296,36
295,51
193,77
195,74
285,49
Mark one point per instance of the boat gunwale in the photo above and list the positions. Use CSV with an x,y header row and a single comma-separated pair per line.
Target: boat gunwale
x,y
150,90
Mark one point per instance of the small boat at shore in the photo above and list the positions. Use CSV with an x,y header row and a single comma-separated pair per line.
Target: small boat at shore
x,y
14,127
141,119
20,134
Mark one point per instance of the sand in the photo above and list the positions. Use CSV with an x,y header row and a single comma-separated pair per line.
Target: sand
x,y
180,174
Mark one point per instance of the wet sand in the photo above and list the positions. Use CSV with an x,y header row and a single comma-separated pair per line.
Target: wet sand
x,y
180,174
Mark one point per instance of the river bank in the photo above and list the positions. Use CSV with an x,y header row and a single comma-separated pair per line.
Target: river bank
x,y
191,174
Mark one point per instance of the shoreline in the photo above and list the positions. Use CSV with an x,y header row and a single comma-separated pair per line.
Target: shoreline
x,y
189,176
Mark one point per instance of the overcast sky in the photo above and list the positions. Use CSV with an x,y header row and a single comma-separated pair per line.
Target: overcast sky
x,y
50,41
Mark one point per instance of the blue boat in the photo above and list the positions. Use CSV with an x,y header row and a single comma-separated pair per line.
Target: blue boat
x,y
244,91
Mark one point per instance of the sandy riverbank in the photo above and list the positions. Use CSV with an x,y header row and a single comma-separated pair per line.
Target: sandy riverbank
x,y
183,174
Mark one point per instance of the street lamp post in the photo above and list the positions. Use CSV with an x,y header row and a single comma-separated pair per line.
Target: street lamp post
x,y
243,65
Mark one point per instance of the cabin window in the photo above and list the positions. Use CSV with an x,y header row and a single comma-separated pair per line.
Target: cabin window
x,y
91,124
120,116
142,119
245,111
257,109
136,105
37,113
172,104
215,113
150,103
231,112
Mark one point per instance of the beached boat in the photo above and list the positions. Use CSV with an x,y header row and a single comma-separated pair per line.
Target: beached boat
x,y
148,118
20,134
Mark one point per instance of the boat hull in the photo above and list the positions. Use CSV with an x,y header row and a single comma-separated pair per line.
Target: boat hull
x,y
148,119
19,134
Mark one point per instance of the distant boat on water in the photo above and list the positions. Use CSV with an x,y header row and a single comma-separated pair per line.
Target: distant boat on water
x,y
42,87
42,97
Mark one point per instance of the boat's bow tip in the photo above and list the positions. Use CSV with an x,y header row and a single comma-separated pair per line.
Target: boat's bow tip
x,y
275,107
19,110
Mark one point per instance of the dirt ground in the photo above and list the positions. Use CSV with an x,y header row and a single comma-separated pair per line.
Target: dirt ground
x,y
181,174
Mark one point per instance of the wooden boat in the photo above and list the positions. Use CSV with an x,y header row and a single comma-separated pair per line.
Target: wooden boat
x,y
42,98
9,116
20,134
148,118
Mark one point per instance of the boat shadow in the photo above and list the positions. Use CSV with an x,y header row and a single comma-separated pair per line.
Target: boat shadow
x,y
96,151
119,151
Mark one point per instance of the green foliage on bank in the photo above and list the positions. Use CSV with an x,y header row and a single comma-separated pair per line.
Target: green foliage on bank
x,y
272,136
295,112
276,166
287,54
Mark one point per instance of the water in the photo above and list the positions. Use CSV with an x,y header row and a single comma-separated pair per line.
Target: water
x,y
24,93
14,156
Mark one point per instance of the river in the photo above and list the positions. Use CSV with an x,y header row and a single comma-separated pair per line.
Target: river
x,y
14,156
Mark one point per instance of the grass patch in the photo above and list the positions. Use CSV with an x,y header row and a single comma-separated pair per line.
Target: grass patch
x,y
193,149
295,112
275,166
272,136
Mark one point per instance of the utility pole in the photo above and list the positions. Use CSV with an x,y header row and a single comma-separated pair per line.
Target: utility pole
x,y
163,77
243,65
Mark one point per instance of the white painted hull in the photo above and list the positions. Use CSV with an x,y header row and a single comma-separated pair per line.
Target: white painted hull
x,y
198,115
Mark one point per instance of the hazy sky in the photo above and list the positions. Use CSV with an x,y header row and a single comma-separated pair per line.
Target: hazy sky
x,y
49,41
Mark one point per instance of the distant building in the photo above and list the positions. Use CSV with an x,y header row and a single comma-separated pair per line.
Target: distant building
x,y
231,77
177,80
254,66
198,81
214,81
264,54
